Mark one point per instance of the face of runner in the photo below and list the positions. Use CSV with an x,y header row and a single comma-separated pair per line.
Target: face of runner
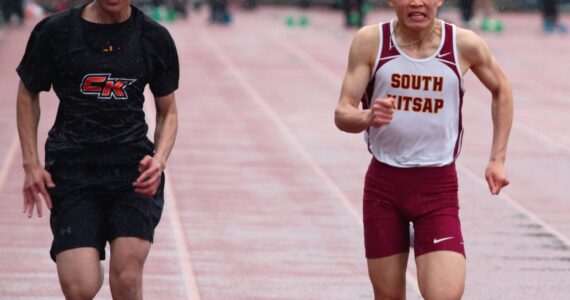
x,y
114,7
416,14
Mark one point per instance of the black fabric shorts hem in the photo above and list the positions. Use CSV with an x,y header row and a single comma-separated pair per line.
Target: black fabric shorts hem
x,y
90,215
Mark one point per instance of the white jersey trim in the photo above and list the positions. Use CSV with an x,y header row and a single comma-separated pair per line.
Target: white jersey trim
x,y
457,62
403,54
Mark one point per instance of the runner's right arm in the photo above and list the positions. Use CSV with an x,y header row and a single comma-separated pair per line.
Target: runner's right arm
x,y
36,177
348,116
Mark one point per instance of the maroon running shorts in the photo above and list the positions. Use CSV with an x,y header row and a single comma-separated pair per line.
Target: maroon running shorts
x,y
425,196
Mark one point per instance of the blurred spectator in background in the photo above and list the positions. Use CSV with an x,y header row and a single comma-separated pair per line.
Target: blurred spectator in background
x,y
10,7
219,12
354,13
490,22
487,23
550,17
466,8
181,7
53,6
249,4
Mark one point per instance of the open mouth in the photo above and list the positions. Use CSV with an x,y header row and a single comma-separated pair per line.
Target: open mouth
x,y
417,16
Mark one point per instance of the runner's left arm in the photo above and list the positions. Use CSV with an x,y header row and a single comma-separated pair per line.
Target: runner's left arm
x,y
165,75
151,168
479,59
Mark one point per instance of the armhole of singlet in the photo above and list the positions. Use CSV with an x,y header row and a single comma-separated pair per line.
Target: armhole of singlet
x,y
378,53
459,142
457,64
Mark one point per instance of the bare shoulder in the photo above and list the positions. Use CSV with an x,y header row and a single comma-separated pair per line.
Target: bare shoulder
x,y
368,32
472,48
468,41
365,42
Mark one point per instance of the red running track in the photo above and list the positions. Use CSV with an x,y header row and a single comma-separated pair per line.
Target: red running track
x,y
264,193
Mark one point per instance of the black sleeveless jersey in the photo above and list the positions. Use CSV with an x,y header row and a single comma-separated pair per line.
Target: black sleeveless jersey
x,y
99,73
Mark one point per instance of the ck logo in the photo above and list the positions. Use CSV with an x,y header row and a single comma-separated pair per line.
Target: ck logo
x,y
105,87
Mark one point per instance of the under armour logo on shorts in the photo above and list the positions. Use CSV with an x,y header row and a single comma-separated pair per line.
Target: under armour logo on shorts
x,y
63,231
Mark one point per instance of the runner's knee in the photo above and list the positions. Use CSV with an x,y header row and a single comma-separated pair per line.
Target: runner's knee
x,y
127,282
452,291
389,294
78,289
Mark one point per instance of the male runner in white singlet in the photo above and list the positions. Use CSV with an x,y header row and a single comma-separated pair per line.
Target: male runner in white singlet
x,y
410,72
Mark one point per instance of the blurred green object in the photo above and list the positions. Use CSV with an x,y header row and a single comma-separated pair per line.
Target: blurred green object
x,y
155,14
366,8
290,21
303,21
490,25
499,27
162,13
354,18
170,15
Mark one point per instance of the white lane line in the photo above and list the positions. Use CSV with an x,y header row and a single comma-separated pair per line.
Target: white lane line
x,y
181,246
171,205
516,205
8,160
544,139
462,168
260,101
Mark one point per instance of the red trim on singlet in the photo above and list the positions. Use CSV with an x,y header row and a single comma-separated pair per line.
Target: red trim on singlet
x,y
460,125
366,99
367,103
448,57
447,53
387,52
388,48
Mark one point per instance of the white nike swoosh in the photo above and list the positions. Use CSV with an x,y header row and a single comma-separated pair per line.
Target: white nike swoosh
x,y
442,55
436,241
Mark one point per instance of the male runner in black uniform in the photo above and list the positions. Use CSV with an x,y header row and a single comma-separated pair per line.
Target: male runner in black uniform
x,y
103,178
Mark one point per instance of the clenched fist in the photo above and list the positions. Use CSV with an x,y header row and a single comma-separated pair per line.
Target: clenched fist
x,y
382,111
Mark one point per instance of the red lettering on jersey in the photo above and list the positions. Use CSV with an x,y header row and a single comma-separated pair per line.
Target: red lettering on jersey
x,y
396,80
417,104
426,80
405,81
407,100
88,82
427,106
438,105
114,88
416,82
105,87
438,84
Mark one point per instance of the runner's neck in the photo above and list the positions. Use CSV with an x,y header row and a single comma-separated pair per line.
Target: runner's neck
x,y
96,13
406,37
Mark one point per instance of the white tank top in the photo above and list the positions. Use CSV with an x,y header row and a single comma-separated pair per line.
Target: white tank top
x,y
426,128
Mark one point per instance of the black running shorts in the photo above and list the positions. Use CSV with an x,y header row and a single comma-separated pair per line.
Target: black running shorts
x,y
93,204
